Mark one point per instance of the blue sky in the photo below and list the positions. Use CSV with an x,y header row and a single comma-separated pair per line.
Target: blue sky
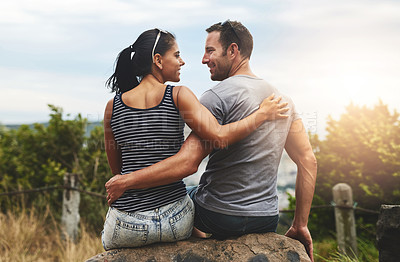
x,y
324,54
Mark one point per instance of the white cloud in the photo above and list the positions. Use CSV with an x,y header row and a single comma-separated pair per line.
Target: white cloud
x,y
330,54
338,14
30,91
322,53
65,24
177,13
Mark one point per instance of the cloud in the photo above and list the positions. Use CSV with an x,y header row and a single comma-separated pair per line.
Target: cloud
x,y
67,25
329,54
322,53
176,13
339,14
29,92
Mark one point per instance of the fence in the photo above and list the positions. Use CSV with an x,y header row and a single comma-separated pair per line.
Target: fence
x,y
71,199
342,204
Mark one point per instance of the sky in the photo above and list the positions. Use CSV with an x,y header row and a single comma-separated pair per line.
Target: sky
x,y
323,54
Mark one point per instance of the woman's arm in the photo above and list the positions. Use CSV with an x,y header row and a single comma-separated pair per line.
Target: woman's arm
x,y
111,146
171,169
186,161
204,124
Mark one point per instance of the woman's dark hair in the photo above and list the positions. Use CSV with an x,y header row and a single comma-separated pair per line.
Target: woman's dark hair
x,y
134,62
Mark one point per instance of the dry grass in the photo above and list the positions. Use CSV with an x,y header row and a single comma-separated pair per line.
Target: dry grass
x,y
35,236
29,236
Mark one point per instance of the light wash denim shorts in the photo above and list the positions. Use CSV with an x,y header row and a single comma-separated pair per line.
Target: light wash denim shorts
x,y
168,223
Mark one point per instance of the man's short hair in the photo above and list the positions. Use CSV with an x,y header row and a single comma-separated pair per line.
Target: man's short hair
x,y
234,32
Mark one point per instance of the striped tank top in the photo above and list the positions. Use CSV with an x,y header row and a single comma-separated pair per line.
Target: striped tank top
x,y
147,136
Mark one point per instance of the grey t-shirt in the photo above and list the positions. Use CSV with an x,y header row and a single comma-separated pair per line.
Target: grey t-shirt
x,y
240,180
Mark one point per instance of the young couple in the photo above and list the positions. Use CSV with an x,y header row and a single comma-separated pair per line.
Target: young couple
x,y
239,123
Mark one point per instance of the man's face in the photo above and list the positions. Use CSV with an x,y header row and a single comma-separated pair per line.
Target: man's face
x,y
215,58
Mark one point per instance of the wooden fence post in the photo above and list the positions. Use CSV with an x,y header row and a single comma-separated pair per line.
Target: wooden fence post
x,y
345,221
70,207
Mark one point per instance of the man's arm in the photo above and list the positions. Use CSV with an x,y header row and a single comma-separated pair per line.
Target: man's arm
x,y
113,151
172,169
299,150
202,120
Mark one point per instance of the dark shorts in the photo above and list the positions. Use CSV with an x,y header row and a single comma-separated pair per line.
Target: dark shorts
x,y
222,226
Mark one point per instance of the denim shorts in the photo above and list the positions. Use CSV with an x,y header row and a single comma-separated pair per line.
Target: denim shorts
x,y
168,223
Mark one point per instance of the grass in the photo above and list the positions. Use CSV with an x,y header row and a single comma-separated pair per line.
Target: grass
x,y
326,251
30,236
36,236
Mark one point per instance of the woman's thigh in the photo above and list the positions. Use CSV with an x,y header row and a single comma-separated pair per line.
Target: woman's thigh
x,y
168,223
121,229
177,220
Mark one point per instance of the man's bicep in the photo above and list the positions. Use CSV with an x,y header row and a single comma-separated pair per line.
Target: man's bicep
x,y
297,142
195,148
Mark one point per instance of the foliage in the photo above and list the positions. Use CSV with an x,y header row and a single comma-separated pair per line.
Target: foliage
x,y
321,222
361,149
40,156
326,251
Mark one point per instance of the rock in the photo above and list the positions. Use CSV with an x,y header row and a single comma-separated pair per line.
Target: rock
x,y
268,247
388,233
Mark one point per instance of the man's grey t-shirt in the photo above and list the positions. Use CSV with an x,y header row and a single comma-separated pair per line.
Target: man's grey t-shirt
x,y
240,180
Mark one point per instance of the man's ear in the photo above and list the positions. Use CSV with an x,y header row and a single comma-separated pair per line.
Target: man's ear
x,y
158,61
233,50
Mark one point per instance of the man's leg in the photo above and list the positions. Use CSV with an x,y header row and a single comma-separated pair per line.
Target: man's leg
x,y
222,226
262,224
219,225
208,222
191,191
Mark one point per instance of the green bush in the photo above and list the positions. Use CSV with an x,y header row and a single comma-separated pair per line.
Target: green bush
x,y
38,156
361,149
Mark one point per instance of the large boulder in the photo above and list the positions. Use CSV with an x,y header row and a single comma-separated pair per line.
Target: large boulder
x,y
388,233
251,248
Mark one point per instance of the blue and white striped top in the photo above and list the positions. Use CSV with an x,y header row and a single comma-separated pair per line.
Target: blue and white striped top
x,y
147,136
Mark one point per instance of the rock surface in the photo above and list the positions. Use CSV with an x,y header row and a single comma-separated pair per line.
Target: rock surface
x,y
388,233
268,247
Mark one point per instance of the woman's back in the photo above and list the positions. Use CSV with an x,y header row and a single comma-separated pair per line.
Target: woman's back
x,y
147,136
142,127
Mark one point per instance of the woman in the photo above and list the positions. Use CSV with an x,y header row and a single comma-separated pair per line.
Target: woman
x,y
143,125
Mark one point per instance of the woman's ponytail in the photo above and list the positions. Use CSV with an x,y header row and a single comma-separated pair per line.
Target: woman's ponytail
x,y
135,62
124,77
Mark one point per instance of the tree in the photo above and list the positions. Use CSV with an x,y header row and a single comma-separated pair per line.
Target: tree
x,y
39,156
361,149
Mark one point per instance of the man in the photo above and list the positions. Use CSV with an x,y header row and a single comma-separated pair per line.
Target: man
x,y
237,193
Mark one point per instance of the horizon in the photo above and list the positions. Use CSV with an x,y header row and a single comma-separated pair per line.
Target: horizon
x,y
323,54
